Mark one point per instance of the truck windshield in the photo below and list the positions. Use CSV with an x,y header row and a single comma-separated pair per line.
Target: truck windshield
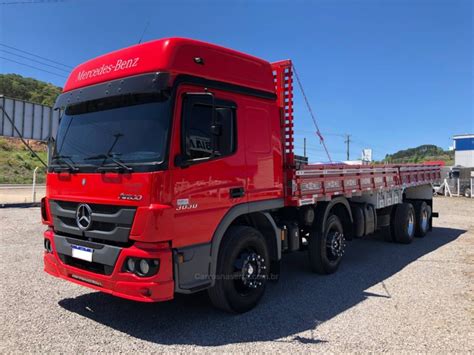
x,y
127,130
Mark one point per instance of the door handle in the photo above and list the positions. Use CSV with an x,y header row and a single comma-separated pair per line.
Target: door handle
x,y
237,192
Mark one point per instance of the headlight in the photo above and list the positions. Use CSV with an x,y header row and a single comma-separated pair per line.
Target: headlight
x,y
131,265
142,267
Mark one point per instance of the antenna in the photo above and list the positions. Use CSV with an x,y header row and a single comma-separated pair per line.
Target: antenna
x,y
143,33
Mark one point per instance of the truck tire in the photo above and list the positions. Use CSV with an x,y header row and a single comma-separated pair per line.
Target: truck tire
x,y
386,233
422,218
326,247
403,223
243,266
467,192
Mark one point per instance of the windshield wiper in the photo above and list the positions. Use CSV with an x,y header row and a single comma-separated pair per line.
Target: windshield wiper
x,y
119,166
60,159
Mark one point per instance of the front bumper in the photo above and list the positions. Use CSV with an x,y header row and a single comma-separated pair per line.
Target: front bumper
x,y
159,287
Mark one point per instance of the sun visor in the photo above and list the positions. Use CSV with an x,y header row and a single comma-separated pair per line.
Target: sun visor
x,y
138,84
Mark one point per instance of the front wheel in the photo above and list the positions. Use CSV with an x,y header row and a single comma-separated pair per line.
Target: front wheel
x,y
242,270
326,247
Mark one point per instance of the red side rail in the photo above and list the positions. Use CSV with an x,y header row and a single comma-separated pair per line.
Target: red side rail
x,y
314,183
283,78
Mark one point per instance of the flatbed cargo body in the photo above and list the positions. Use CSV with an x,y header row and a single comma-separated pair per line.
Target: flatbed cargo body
x,y
174,172
314,183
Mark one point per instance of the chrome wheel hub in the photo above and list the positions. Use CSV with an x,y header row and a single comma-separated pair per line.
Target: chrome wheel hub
x,y
251,270
335,244
411,224
424,220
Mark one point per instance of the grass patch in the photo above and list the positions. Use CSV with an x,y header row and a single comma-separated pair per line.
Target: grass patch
x,y
17,163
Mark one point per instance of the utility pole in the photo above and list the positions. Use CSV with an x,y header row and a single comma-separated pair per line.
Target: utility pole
x,y
304,147
347,141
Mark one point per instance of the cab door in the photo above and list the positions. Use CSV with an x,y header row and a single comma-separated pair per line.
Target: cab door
x,y
207,163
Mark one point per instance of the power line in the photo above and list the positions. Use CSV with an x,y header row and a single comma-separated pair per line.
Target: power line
x,y
34,60
300,131
318,132
21,137
29,2
32,66
35,55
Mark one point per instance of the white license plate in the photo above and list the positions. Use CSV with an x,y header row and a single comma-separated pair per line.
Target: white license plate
x,y
83,253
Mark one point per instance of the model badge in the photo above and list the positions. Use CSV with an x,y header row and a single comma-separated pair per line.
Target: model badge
x,y
130,197
83,182
183,204
83,217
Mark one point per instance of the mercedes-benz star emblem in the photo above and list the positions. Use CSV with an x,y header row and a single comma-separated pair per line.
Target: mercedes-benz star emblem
x,y
83,217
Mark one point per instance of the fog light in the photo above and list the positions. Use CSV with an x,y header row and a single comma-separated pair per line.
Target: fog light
x,y
144,267
147,267
141,267
47,245
131,265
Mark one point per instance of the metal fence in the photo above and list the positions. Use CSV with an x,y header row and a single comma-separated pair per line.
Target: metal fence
x,y
453,187
32,121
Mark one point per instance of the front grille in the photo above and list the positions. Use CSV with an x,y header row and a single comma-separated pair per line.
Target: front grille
x,y
86,265
104,257
109,224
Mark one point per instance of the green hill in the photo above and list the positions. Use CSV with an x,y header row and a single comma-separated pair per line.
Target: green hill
x,y
16,161
29,89
427,152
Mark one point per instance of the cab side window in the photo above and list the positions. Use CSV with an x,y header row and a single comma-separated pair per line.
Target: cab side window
x,y
207,132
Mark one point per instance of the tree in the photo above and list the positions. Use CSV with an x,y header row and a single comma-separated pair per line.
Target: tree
x,y
18,87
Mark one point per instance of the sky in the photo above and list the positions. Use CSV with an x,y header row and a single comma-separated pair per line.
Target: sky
x,y
393,74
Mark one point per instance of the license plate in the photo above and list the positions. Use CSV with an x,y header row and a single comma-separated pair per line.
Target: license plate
x,y
83,253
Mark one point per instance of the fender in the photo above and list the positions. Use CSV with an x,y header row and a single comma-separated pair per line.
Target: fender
x,y
235,212
322,210
201,260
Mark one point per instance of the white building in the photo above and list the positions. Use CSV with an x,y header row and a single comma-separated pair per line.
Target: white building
x,y
464,150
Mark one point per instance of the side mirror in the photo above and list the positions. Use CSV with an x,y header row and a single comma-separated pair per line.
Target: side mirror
x,y
181,161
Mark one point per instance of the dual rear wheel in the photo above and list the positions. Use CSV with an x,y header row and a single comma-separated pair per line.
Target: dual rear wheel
x,y
327,241
409,220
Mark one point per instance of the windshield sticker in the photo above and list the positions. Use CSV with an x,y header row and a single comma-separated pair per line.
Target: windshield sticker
x,y
120,64
200,144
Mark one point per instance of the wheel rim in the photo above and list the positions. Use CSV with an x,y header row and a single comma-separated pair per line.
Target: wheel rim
x,y
249,272
411,224
335,244
424,220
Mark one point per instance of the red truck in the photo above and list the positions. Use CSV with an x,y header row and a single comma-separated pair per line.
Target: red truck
x,y
173,171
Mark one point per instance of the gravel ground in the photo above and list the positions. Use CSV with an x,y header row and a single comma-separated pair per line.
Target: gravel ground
x,y
385,297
